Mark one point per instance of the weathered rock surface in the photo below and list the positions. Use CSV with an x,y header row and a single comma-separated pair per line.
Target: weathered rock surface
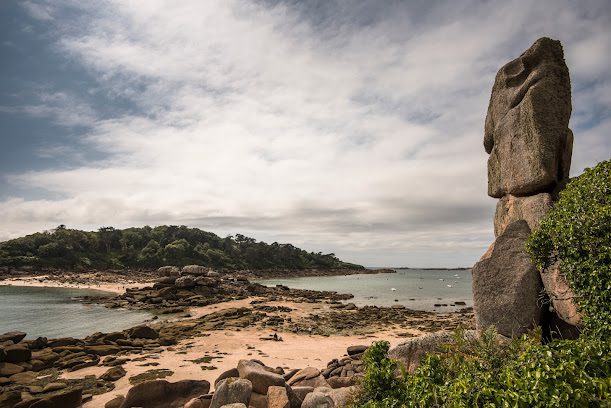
x,y
341,397
114,374
277,397
8,369
115,402
317,399
164,394
560,294
308,377
17,353
143,332
68,399
411,352
230,391
15,337
194,403
506,286
526,131
511,208
260,378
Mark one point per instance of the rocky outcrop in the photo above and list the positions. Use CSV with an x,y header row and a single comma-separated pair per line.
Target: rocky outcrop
x,y
507,285
529,142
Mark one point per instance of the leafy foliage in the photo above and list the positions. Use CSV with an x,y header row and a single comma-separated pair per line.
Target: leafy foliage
x,y
148,247
484,372
577,231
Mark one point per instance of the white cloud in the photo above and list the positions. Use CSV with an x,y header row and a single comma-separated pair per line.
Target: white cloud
x,y
361,140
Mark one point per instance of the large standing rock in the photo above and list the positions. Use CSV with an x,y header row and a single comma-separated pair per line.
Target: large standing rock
x,y
526,132
506,286
260,378
164,394
532,209
560,294
231,391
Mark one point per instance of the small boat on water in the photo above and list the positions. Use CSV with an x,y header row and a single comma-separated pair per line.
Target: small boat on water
x,y
393,289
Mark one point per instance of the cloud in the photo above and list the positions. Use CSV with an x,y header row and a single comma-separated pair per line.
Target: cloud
x,y
38,10
343,127
60,108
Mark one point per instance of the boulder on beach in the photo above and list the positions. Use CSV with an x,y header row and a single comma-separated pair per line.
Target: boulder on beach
x,y
260,378
232,372
8,369
194,270
164,394
308,377
67,399
14,336
168,271
317,399
231,391
113,374
17,354
143,332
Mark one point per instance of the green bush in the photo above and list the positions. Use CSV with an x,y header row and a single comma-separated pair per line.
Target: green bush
x,y
487,373
577,231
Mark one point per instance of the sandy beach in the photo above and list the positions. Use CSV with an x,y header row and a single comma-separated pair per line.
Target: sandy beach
x,y
47,281
200,342
227,347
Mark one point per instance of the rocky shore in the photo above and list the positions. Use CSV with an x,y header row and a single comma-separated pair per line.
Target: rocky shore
x,y
210,330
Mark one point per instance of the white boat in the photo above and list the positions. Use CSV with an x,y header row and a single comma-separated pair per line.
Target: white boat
x,y
393,289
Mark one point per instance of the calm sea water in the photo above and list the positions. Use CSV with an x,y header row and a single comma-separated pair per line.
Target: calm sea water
x,y
53,313
413,288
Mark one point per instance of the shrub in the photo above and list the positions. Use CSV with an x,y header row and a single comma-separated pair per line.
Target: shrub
x,y
577,231
487,373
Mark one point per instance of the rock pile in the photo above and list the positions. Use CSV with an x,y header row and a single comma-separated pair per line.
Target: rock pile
x,y
253,384
29,368
175,290
530,145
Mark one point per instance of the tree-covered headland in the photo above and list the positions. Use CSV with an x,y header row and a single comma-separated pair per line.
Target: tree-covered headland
x,y
152,247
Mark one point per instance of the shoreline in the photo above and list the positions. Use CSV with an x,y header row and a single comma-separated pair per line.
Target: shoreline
x,y
224,319
41,281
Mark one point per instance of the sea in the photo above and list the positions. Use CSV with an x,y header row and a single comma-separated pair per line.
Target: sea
x,y
56,312
435,290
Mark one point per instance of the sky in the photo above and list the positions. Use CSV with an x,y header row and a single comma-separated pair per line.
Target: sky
x,y
352,127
